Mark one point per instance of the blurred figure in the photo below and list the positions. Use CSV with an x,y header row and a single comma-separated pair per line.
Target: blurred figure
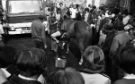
x,y
126,62
1,32
67,76
106,29
126,17
61,6
1,12
120,40
31,64
93,66
90,7
103,32
38,32
73,11
58,22
86,15
105,41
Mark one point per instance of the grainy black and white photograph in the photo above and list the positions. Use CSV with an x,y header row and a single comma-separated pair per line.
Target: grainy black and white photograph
x,y
67,41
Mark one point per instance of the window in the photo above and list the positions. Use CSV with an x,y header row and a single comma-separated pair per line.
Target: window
x,y
24,6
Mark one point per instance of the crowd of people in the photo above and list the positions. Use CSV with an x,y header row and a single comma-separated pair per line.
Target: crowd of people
x,y
110,59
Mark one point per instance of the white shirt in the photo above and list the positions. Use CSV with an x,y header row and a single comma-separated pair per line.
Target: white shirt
x,y
95,79
106,15
86,17
73,12
58,17
126,19
1,31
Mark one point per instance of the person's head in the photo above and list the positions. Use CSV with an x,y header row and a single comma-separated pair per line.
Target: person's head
x,y
102,8
93,7
7,56
108,20
58,10
130,27
86,9
67,76
93,59
74,6
41,17
71,5
61,4
124,12
116,11
89,5
49,9
31,62
108,28
126,59
67,15
77,6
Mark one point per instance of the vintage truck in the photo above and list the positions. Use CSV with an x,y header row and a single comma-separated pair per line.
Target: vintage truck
x,y
19,14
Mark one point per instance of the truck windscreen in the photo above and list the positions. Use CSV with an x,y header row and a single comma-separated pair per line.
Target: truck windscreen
x,y
24,6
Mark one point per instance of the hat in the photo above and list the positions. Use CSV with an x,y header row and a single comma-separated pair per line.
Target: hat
x,y
108,28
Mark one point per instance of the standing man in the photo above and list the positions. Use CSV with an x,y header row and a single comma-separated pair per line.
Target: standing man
x,y
61,6
73,11
38,32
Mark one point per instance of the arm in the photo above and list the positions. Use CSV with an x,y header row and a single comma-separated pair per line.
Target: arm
x,y
43,36
114,46
1,29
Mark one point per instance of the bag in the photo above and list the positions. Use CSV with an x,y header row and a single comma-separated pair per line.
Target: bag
x,y
60,63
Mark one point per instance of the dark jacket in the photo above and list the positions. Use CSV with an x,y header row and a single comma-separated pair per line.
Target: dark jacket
x,y
16,80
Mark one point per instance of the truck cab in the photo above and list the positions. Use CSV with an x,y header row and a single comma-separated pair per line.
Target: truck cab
x,y
19,14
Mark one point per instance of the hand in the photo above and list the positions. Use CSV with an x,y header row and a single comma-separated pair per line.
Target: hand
x,y
45,46
55,22
57,41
